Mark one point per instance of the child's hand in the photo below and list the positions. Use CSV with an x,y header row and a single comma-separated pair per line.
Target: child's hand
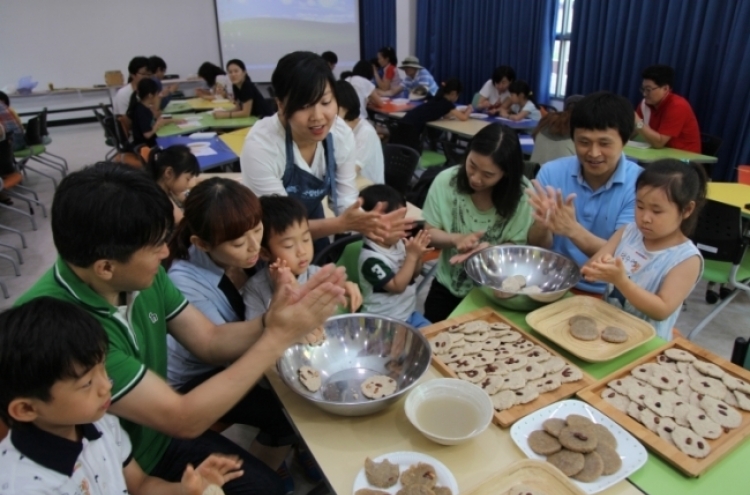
x,y
469,109
419,244
281,274
354,295
605,269
215,470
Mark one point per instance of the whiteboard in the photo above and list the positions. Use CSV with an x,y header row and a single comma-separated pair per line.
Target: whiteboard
x,y
71,43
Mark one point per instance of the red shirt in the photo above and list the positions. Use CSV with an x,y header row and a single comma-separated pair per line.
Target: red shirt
x,y
675,118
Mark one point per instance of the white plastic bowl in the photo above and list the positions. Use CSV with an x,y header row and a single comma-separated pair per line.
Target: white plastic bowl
x,y
454,388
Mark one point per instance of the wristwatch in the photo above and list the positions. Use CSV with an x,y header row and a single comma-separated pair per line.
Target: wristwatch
x,y
639,125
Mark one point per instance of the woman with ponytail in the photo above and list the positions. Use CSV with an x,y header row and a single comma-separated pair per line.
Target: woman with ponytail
x,y
522,104
173,169
214,251
143,102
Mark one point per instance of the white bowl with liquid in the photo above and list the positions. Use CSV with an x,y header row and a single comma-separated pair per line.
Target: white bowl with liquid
x,y
449,411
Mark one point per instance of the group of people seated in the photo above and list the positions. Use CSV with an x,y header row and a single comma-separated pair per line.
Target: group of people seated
x,y
165,309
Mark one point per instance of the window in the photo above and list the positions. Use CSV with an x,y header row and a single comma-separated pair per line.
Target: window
x,y
561,52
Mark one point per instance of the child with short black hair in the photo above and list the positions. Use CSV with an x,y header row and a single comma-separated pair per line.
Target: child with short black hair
x,y
287,244
387,269
522,104
54,396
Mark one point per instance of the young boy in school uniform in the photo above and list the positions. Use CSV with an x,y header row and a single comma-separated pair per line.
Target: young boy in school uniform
x,y
387,268
137,69
288,245
55,395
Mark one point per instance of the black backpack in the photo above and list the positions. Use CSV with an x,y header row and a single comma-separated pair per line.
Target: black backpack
x,y
418,193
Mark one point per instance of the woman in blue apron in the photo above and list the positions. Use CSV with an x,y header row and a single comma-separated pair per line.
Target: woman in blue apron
x,y
307,152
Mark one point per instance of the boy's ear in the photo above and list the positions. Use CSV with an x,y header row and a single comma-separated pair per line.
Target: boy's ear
x,y
104,269
22,410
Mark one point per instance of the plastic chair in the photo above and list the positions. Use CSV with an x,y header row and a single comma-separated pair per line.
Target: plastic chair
x,y
400,164
455,152
47,140
719,238
33,152
407,135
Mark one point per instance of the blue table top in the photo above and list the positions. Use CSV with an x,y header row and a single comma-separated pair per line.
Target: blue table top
x,y
223,156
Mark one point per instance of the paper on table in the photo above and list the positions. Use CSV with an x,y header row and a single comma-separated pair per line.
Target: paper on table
x,y
207,151
188,125
202,135
526,139
638,144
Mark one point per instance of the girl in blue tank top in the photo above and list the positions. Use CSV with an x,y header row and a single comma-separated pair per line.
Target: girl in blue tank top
x,y
651,266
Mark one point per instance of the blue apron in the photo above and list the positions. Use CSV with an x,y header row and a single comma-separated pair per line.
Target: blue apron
x,y
301,184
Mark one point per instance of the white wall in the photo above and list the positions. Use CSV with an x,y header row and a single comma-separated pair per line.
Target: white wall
x,y
71,43
406,28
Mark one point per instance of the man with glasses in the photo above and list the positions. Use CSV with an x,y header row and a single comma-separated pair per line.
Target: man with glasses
x,y
138,68
664,119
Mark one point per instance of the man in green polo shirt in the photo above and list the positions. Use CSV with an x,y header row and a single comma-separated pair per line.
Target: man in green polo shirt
x,y
109,225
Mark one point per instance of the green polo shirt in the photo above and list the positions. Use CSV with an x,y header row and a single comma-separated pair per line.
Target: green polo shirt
x,y
137,339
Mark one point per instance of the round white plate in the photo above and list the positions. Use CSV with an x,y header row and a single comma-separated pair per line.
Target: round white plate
x,y
478,115
632,453
404,461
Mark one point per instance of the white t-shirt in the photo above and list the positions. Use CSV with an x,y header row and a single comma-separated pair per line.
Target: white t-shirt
x,y
37,462
369,152
377,266
227,84
534,112
364,89
263,160
122,99
490,92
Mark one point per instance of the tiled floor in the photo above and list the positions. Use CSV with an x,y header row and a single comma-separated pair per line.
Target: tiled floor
x,y
84,144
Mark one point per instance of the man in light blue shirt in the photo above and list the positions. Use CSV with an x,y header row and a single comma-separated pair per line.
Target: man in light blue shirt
x,y
416,75
580,201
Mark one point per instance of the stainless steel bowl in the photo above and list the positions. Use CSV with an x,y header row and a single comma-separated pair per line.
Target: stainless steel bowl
x,y
358,346
553,273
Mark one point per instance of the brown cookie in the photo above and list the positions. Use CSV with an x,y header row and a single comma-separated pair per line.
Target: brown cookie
x,y
578,318
546,384
382,474
569,374
419,474
605,436
310,378
579,438
578,420
584,330
618,400
690,443
442,490
593,467
614,335
553,426
610,459
543,443
666,428
370,491
570,463
709,386
704,426
415,490
721,413
526,394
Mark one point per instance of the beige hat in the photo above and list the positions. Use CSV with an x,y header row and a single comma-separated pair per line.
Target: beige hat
x,y
410,61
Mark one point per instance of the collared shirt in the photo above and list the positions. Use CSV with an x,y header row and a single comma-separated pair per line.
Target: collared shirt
x,y
423,78
33,461
137,339
207,288
263,160
601,212
674,117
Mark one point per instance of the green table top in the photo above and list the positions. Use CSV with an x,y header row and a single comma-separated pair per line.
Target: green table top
x,y
652,154
178,107
656,477
207,121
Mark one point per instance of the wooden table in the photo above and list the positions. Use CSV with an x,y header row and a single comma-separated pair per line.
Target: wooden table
x,y
730,193
340,444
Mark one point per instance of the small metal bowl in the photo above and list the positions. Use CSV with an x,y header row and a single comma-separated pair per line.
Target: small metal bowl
x,y
554,273
358,346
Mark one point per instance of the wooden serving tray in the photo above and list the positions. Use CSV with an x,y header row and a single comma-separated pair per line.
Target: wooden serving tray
x,y
538,475
509,416
688,465
552,322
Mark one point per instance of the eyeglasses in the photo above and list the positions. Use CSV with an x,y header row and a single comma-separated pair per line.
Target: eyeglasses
x,y
645,90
